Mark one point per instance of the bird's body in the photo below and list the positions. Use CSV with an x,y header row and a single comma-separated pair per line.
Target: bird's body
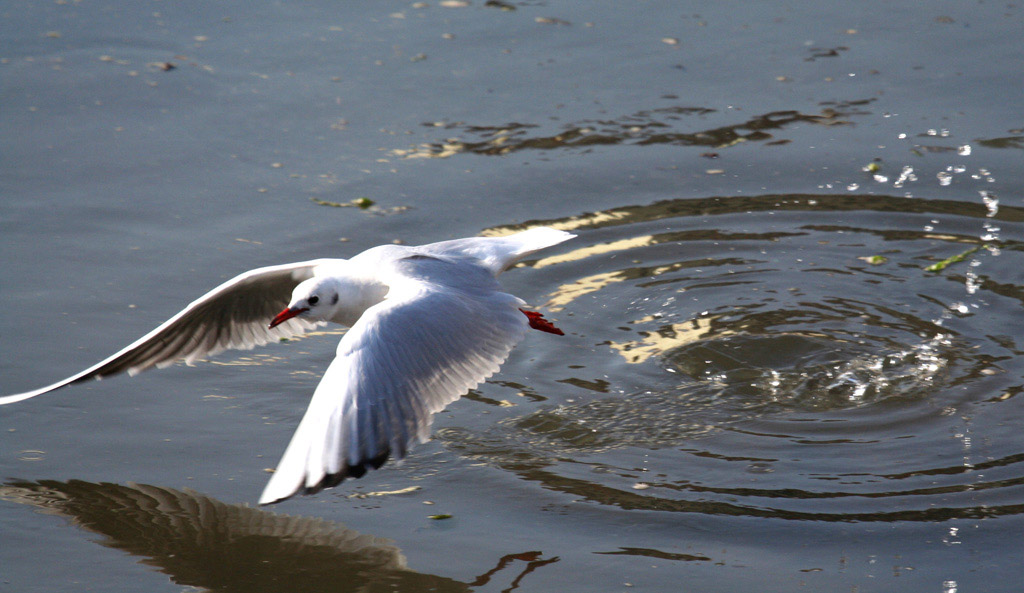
x,y
426,324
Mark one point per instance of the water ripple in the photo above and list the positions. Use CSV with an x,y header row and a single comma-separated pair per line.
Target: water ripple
x,y
800,357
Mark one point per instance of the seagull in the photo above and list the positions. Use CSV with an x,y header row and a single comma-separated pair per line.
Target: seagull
x,y
426,325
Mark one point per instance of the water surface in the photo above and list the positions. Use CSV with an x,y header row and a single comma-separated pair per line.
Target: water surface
x,y
793,310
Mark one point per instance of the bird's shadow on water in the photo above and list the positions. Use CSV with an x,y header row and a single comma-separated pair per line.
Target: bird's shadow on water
x,y
202,542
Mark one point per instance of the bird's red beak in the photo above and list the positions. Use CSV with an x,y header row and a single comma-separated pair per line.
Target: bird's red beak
x,y
286,315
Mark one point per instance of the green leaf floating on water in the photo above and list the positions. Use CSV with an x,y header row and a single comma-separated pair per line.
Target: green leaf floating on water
x,y
942,265
439,517
875,260
361,203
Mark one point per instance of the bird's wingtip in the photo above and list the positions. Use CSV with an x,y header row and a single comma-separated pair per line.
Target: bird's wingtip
x,y
17,397
277,491
266,500
551,232
280,488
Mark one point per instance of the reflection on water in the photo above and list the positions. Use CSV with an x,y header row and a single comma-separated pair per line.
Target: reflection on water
x,y
204,543
773,203
760,362
647,127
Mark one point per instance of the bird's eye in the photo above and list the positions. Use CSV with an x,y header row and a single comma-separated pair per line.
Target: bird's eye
x,y
313,300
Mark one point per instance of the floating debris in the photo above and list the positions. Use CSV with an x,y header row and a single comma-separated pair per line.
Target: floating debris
x,y
825,52
544,20
384,492
363,203
500,5
942,265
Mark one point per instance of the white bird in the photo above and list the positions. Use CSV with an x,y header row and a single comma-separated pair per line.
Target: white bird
x,y
426,325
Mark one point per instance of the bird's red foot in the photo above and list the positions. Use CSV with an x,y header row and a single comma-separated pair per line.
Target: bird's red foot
x,y
537,321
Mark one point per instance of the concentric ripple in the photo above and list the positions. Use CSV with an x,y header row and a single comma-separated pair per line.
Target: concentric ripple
x,y
808,357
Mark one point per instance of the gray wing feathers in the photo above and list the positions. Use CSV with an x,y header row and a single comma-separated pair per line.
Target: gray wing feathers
x,y
233,315
497,254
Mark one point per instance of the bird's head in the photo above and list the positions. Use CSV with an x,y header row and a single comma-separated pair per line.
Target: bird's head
x,y
314,299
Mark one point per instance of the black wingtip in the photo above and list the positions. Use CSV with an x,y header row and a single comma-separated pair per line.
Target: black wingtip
x,y
349,471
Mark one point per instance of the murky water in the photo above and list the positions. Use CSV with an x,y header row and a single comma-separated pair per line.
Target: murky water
x,y
793,311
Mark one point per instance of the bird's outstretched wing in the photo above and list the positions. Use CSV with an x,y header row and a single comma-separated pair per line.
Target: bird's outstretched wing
x,y
233,315
497,254
443,328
